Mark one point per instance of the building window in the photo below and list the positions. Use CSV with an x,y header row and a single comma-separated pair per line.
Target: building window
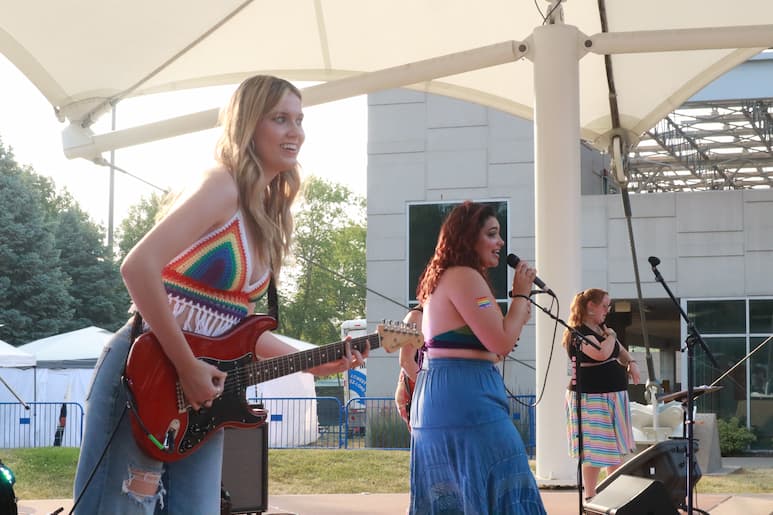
x,y
732,329
424,221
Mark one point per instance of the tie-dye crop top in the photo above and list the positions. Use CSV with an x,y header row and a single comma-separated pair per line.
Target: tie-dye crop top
x,y
210,278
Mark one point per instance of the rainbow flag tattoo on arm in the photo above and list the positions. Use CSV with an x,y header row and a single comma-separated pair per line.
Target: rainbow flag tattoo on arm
x,y
483,302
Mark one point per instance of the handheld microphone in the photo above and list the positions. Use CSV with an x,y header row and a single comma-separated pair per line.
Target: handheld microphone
x,y
513,260
654,261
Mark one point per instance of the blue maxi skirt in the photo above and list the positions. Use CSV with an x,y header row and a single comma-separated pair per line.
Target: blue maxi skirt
x,y
467,457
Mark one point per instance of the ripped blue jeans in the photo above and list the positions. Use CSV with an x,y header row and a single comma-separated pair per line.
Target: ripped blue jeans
x,y
129,482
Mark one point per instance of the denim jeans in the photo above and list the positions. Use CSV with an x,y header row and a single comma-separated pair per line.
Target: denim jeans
x,y
190,486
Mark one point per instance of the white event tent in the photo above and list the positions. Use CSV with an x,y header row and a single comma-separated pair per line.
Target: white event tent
x,y
59,368
11,356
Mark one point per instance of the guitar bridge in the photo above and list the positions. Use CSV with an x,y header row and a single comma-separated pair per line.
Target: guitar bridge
x,y
171,433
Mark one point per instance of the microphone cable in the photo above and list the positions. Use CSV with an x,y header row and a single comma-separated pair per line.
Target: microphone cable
x,y
554,300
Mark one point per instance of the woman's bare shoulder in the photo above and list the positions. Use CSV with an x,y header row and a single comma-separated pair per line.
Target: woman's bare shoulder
x,y
215,185
466,273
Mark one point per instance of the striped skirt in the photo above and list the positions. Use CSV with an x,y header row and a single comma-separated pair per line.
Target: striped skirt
x,y
607,434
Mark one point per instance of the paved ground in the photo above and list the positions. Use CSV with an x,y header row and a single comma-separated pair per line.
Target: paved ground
x,y
557,502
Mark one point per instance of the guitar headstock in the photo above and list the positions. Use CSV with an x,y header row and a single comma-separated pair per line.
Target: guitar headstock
x,y
394,335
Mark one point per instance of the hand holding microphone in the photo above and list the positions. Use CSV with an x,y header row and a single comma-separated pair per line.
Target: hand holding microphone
x,y
513,261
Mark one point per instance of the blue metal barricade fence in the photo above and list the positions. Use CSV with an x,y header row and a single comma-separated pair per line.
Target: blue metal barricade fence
x,y
363,423
523,413
294,422
45,424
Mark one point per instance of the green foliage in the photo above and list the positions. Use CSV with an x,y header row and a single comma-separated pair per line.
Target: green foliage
x,y
56,275
326,284
34,290
100,297
385,429
733,437
138,222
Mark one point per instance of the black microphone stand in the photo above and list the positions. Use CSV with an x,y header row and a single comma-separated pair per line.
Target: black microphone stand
x,y
693,337
576,340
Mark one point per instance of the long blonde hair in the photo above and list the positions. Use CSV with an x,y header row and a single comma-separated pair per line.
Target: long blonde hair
x,y
267,209
579,309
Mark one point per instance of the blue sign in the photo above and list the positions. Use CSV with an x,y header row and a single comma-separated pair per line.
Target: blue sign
x,y
357,382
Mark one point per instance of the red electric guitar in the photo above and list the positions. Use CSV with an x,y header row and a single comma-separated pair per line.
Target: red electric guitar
x,y
167,428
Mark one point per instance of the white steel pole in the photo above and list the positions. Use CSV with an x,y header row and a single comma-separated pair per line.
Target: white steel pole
x,y
556,53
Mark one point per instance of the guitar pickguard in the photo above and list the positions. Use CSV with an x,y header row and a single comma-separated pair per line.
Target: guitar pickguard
x,y
230,409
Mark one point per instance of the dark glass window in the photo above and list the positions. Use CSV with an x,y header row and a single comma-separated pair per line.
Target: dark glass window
x,y
718,316
729,401
761,316
424,221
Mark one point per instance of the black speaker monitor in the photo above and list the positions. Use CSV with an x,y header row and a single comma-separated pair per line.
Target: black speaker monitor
x,y
665,462
245,469
631,495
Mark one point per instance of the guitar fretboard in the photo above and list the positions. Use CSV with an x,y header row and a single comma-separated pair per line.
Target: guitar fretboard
x,y
280,366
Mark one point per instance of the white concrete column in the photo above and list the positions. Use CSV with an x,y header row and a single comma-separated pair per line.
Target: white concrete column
x,y
555,53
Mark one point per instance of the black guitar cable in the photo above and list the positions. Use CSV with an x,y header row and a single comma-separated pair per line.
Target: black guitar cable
x,y
101,457
135,332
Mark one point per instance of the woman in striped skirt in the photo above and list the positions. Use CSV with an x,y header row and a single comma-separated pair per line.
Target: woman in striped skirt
x,y
605,411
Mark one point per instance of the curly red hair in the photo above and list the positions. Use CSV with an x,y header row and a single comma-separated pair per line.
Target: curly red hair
x,y
456,245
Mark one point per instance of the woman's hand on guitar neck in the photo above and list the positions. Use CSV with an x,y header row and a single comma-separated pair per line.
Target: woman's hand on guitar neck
x,y
201,383
352,359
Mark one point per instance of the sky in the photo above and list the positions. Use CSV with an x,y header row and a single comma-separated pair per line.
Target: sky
x,y
335,147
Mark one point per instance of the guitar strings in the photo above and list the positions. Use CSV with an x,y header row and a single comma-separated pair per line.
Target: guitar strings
x,y
258,371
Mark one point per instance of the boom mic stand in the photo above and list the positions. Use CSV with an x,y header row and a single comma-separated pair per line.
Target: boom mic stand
x,y
577,340
13,392
693,337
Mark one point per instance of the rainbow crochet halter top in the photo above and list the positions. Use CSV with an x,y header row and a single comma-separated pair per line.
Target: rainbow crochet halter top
x,y
210,278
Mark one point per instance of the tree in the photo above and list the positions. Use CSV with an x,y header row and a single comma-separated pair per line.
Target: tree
x,y
35,298
138,222
99,295
326,283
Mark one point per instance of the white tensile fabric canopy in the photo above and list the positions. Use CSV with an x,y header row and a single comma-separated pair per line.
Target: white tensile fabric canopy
x,y
85,55
600,70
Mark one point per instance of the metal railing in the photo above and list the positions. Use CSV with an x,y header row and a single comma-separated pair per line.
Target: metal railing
x,y
363,423
44,424
294,422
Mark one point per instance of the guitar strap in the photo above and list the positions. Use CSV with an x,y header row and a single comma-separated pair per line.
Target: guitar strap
x,y
273,301
136,327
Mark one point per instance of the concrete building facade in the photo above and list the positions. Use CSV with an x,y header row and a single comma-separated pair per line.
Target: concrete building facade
x,y
715,248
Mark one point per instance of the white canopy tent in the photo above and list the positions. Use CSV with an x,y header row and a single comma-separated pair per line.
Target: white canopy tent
x,y
65,364
579,72
75,349
62,373
11,356
292,423
13,360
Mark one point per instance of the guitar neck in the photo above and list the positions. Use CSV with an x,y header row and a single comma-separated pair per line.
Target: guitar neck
x,y
259,371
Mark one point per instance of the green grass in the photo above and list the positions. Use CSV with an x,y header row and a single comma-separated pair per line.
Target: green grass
x,y
42,473
47,473
747,481
312,471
